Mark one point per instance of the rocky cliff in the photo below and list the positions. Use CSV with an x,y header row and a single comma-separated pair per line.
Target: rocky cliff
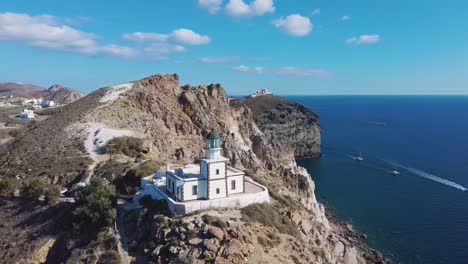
x,y
285,124
262,138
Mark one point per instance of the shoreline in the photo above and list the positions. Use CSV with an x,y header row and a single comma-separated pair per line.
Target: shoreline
x,y
355,237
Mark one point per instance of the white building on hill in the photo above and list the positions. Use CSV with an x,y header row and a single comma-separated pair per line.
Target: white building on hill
x,y
210,184
48,103
27,114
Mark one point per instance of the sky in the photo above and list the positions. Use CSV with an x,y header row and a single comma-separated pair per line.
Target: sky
x,y
301,47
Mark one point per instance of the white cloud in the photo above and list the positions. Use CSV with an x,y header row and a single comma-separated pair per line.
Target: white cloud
x,y
255,8
182,36
301,72
345,18
364,39
145,36
243,68
286,71
118,51
45,31
213,6
160,51
187,36
315,12
221,59
294,25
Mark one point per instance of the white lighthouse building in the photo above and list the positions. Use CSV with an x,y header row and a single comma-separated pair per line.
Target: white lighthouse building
x,y
210,184
212,179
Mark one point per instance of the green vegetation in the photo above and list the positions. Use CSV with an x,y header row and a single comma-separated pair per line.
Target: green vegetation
x,y
15,132
8,186
214,220
129,146
95,206
130,182
52,194
268,215
151,204
36,188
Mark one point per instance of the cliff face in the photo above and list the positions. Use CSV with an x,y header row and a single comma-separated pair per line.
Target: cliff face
x,y
285,124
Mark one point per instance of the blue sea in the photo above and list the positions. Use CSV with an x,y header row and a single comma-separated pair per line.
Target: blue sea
x,y
419,216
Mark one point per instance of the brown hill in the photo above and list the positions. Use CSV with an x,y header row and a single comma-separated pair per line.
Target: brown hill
x,y
61,94
57,93
19,90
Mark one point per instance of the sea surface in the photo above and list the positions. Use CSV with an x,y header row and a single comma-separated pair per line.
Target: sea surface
x,y
419,216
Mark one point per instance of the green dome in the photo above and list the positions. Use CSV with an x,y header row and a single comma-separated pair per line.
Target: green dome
x,y
213,134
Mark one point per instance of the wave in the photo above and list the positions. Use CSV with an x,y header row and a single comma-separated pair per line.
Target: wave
x,y
429,176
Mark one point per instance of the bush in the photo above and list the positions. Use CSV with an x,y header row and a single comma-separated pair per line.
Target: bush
x,y
129,146
156,205
107,241
15,132
8,186
214,220
95,206
109,257
130,182
266,214
52,194
34,189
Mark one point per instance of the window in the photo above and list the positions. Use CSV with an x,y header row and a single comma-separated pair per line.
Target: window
x,y
217,190
217,171
233,184
195,190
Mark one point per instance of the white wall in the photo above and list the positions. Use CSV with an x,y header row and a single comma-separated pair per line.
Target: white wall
x,y
187,190
221,166
239,184
215,184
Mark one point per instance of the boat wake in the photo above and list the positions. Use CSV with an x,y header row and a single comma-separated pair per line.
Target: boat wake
x,y
429,176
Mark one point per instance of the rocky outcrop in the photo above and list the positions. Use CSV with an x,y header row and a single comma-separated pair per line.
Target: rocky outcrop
x,y
61,95
285,124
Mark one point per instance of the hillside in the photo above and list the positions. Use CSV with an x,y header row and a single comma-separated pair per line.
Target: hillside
x,y
61,94
173,122
56,93
18,90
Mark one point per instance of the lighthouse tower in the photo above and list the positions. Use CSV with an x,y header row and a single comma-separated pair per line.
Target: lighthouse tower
x,y
213,167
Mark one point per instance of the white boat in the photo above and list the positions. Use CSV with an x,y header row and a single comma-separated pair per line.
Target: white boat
x,y
359,157
395,172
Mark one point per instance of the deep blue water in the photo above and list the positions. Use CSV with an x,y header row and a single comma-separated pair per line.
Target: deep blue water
x,y
409,218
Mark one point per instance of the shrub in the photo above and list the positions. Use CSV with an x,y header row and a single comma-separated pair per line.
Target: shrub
x,y
15,132
214,220
34,189
107,240
129,146
109,257
52,194
95,206
156,205
130,182
8,186
268,215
